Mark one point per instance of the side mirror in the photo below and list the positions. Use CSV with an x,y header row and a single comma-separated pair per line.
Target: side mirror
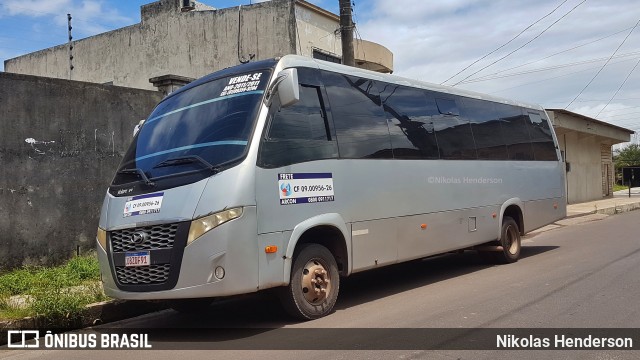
x,y
137,127
288,89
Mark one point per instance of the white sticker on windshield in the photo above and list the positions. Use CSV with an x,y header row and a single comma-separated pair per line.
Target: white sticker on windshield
x,y
240,84
143,204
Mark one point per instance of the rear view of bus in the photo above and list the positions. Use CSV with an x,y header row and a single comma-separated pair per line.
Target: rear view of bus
x,y
293,173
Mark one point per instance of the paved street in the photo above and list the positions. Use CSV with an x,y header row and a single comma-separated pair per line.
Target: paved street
x,y
583,275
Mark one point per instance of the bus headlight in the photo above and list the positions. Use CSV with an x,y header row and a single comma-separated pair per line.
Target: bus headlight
x,y
102,238
204,224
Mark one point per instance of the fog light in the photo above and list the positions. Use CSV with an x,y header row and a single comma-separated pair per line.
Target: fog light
x,y
219,273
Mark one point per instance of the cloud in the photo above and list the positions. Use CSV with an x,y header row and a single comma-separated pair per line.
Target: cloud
x,y
433,40
90,17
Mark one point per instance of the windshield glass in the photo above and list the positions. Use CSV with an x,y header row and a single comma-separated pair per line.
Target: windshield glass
x,y
203,127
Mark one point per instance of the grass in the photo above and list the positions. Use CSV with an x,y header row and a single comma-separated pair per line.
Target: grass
x,y
617,187
52,292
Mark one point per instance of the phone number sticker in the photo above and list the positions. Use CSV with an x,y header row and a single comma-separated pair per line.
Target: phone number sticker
x,y
305,188
143,204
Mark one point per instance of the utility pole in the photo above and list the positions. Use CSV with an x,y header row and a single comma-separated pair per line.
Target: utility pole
x,y
70,45
346,33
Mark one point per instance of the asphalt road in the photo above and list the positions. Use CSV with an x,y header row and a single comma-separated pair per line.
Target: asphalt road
x,y
585,275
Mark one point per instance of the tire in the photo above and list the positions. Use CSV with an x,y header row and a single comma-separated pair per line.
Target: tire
x,y
191,306
298,298
510,242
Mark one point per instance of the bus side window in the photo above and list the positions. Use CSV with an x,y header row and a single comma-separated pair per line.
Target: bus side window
x,y
541,138
516,134
453,132
409,114
361,126
486,127
304,120
298,133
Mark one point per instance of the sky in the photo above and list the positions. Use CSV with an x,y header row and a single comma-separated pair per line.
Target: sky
x,y
579,55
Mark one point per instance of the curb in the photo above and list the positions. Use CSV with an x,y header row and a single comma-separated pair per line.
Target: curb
x,y
93,314
618,209
612,210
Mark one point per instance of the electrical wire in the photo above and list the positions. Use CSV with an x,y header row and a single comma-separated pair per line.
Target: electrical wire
x,y
505,44
552,55
554,67
621,85
523,45
603,66
625,114
552,78
626,108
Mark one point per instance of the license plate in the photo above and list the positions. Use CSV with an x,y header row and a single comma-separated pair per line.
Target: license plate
x,y
142,258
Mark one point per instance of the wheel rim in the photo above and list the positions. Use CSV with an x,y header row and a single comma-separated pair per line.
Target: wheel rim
x,y
511,240
316,282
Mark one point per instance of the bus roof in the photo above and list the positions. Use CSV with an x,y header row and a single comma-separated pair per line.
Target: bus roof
x,y
289,61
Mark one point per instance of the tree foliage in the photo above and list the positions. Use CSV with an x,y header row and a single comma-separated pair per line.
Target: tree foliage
x,y
627,156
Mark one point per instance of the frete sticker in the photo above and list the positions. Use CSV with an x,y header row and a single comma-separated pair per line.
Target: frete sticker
x,y
305,188
143,204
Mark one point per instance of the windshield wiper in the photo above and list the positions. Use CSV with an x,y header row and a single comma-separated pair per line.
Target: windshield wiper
x,y
189,159
139,172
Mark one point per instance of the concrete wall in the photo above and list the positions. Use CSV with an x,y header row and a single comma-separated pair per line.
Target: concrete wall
x,y
316,30
586,143
583,153
59,147
168,41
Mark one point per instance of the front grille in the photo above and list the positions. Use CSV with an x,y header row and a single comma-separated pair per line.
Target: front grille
x,y
153,274
159,237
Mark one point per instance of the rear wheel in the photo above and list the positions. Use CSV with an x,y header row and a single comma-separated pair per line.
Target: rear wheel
x,y
314,285
510,242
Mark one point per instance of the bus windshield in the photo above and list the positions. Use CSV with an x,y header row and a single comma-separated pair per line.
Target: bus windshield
x,y
201,128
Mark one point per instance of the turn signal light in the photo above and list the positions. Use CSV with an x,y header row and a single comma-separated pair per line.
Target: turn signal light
x,y
423,226
101,237
270,249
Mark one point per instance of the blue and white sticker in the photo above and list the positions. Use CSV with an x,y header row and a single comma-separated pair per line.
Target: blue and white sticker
x,y
143,204
305,188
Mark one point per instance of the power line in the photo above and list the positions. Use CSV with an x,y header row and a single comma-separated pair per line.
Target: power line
x,y
626,108
603,66
556,77
552,55
621,85
554,67
525,44
625,114
505,44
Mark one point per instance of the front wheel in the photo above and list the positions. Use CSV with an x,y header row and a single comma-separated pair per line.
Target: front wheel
x,y
314,285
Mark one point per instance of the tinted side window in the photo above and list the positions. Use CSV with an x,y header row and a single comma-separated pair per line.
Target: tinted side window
x,y
303,121
516,134
298,133
486,127
409,114
453,132
541,138
361,127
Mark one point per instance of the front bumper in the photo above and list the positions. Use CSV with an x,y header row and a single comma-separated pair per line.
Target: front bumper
x,y
232,245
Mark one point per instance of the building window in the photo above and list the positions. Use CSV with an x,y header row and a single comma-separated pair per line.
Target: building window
x,y
317,54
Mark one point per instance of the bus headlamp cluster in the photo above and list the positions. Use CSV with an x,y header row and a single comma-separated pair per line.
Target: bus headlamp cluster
x,y
204,224
102,238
